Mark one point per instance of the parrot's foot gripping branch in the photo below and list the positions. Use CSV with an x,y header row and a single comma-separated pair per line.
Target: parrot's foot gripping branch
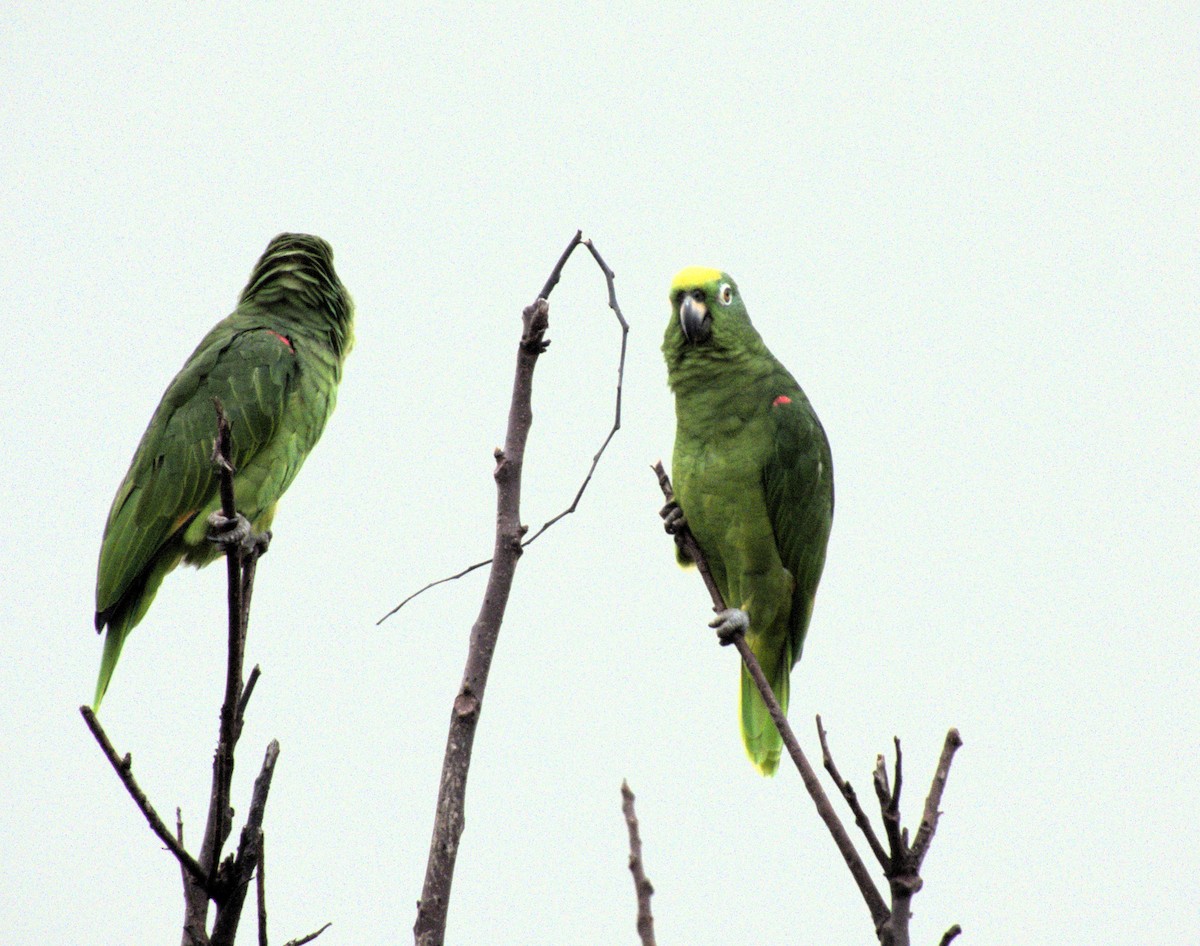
x,y
227,532
729,624
672,517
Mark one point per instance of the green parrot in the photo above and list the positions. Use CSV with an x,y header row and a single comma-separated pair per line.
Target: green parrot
x,y
753,480
275,364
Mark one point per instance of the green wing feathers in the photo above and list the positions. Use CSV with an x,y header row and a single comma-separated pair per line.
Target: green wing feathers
x,y
274,364
171,487
797,483
754,479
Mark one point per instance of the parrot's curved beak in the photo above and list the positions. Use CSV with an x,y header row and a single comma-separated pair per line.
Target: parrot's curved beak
x,y
694,320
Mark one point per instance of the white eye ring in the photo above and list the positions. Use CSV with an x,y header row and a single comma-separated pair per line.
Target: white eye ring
x,y
726,293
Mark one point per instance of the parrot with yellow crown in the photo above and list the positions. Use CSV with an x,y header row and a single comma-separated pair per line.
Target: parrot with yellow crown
x,y
753,478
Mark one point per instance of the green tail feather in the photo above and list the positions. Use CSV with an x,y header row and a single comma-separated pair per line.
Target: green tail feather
x,y
763,743
113,641
124,617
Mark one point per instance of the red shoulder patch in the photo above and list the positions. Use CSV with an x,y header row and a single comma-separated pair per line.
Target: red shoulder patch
x,y
782,399
283,338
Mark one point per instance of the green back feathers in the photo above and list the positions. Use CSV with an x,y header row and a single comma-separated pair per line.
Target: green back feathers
x,y
753,476
295,280
275,363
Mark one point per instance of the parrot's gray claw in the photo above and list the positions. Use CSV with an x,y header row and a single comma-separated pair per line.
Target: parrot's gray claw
x,y
730,623
672,517
227,532
262,542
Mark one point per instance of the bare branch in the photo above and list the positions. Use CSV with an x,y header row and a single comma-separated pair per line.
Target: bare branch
x,y
891,817
904,869
220,816
248,692
687,542
848,793
124,769
236,872
899,779
609,278
309,938
870,894
555,275
641,885
241,561
949,935
434,584
260,884
930,819
433,907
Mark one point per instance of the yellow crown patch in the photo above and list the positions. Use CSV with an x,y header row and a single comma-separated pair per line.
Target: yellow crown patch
x,y
694,276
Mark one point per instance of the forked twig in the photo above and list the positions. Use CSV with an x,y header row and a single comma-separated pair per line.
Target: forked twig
x,y
609,279
124,769
903,867
449,819
205,879
848,793
237,871
555,276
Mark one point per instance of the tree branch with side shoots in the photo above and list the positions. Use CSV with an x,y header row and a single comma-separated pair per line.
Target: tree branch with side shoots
x,y
903,869
242,548
555,275
207,878
124,769
687,542
509,543
901,864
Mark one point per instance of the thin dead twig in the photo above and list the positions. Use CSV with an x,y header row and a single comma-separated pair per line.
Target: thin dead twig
x,y
641,884
309,938
555,276
930,818
124,769
848,793
950,934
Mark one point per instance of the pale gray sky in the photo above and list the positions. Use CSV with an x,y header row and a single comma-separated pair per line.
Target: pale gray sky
x,y
971,232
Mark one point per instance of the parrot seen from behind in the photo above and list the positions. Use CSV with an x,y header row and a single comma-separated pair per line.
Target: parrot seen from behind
x,y
753,478
275,364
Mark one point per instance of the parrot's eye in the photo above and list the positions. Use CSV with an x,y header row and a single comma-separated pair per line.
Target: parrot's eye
x,y
726,293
